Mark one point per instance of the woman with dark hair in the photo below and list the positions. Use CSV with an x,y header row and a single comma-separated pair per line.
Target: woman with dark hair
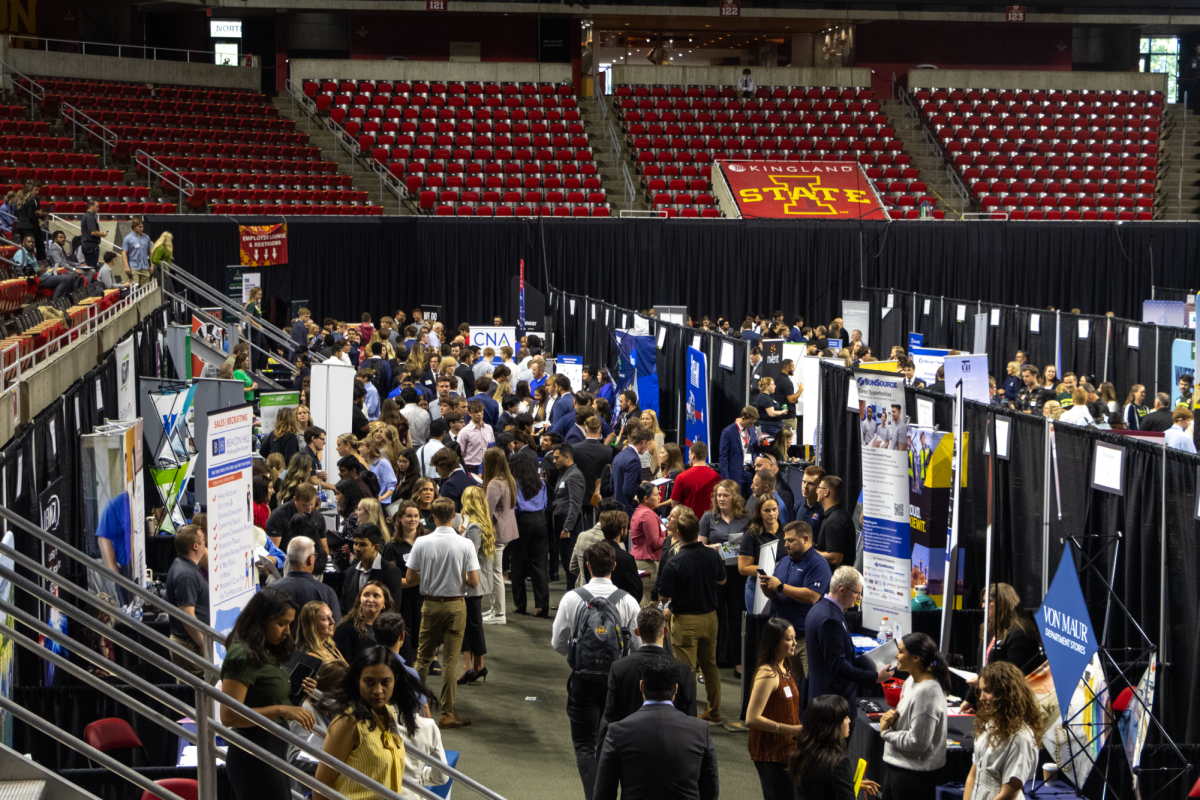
x,y
603,407
1011,636
765,531
253,674
389,413
541,399
354,634
348,494
528,553
605,391
407,530
1008,727
410,473
914,733
819,766
261,487
376,696
773,715
524,398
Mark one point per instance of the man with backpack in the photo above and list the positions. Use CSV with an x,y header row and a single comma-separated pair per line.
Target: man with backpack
x,y
594,627
382,370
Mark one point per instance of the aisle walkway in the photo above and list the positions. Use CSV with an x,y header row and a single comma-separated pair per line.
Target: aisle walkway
x,y
521,747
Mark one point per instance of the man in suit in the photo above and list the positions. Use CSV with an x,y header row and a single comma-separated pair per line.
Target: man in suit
x,y
304,587
831,668
564,401
567,499
624,679
592,456
369,566
614,527
737,450
455,479
627,469
658,752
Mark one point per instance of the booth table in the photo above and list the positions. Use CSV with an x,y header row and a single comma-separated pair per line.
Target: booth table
x,y
866,742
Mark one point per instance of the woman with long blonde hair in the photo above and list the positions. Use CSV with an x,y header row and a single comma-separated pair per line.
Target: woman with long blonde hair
x,y
479,530
315,632
303,418
276,465
501,491
298,473
1008,727
284,437
162,250
370,512
502,389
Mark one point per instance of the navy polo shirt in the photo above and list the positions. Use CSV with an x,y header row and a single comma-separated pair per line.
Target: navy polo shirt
x,y
810,572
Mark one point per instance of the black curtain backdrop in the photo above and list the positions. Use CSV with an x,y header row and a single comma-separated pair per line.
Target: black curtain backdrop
x,y
730,268
1164,293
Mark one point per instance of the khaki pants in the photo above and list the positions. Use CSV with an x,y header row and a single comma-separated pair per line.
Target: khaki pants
x,y
801,657
695,640
442,622
141,277
179,661
648,581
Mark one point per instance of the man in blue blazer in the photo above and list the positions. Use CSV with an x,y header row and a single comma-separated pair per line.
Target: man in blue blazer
x,y
627,469
831,668
564,402
567,421
736,459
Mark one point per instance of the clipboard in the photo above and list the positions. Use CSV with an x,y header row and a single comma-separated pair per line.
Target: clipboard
x,y
882,656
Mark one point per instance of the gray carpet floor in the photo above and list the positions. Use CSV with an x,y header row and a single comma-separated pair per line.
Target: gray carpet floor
x,y
519,742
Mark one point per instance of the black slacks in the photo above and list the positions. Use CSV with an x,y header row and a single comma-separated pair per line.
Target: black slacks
x,y
529,559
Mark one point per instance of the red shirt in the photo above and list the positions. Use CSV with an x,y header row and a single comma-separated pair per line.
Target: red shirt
x,y
694,488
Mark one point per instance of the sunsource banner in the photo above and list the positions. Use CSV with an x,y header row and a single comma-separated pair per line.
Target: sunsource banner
x,y
801,190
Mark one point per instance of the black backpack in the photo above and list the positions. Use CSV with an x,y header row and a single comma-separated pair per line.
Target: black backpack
x,y
597,640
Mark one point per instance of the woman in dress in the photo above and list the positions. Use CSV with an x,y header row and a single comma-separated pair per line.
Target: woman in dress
x,y
481,533
773,715
914,733
253,674
315,633
1007,732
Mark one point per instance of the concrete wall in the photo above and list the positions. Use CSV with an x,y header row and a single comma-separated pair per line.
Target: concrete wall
x,y
35,63
728,76
1031,79
302,69
48,381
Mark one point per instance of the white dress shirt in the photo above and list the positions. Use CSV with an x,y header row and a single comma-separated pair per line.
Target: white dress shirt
x,y
571,604
1179,439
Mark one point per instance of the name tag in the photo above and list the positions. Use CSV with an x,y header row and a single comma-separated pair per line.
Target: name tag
x,y
561,484
787,692
746,461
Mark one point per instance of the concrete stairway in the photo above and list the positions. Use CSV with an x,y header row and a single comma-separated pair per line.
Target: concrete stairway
x,y
924,157
360,172
609,159
1179,177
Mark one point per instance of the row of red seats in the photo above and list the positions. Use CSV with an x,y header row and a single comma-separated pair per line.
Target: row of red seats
x,y
1029,137
530,169
626,107
331,87
900,187
266,179
480,141
1071,111
821,145
12,112
523,211
110,191
24,126
1033,161
126,147
112,208
39,157
117,89
358,116
160,120
681,200
498,182
276,209
18,142
764,131
324,103
1119,157
23,175
501,156
1059,174
429,128
771,118
760,93
706,157
1146,124
257,165
1064,203
1038,96
260,195
243,136
86,104
1058,188
1037,215
489,196
914,213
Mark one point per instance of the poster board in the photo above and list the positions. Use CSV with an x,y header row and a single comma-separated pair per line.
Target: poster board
x,y
230,505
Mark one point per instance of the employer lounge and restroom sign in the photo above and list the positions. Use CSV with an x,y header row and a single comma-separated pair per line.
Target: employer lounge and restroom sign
x,y
1066,629
801,190
263,245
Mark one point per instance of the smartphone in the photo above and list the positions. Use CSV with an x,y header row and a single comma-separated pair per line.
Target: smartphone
x,y
762,572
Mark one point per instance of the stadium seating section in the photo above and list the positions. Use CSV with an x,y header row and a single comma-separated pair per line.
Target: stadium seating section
x,y
676,132
239,154
1051,154
475,149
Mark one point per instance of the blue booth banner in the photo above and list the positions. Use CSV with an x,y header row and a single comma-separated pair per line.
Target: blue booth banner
x,y
637,367
1066,629
696,424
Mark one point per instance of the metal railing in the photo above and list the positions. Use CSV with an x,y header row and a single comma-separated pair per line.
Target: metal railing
x,y
104,244
1179,208
108,138
186,187
205,694
959,190
147,52
36,92
630,185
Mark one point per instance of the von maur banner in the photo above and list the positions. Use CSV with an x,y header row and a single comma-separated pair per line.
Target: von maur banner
x,y
230,508
887,552
263,245
798,190
696,423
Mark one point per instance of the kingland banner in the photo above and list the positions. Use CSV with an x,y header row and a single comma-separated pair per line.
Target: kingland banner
x,y
887,547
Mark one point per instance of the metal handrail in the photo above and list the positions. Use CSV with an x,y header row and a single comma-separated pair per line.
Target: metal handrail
x,y
630,186
956,183
113,246
13,38
204,316
89,131
386,178
40,98
186,187
338,131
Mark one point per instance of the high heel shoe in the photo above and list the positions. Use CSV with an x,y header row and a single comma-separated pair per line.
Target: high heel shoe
x,y
468,677
480,675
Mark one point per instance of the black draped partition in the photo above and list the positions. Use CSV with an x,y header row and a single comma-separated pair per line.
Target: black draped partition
x,y
728,267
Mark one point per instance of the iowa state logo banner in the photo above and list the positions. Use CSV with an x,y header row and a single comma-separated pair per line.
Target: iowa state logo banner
x,y
801,190
263,245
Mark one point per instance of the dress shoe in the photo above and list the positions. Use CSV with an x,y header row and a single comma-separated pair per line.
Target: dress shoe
x,y
467,677
449,721
496,620
704,715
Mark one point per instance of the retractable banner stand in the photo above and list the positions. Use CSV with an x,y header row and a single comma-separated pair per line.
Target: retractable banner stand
x,y
571,367
484,336
972,370
856,316
230,516
887,553
126,380
50,502
270,403
930,473
114,508
696,427
637,358
332,405
926,361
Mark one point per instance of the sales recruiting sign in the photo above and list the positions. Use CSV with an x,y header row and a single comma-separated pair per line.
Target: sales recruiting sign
x,y
1066,628
696,427
230,508
887,545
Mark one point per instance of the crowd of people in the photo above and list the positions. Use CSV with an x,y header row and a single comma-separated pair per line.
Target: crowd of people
x,y
467,469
